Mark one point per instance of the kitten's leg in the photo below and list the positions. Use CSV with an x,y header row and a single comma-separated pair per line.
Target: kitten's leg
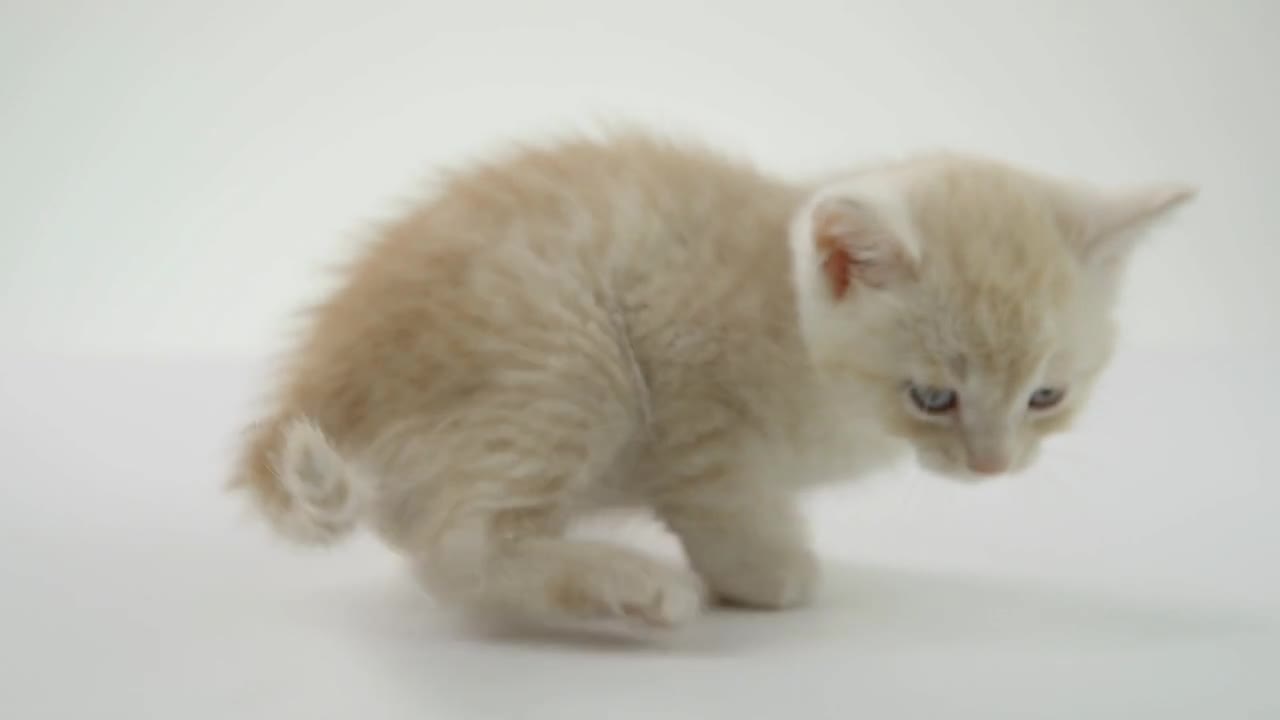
x,y
542,578
745,538
486,531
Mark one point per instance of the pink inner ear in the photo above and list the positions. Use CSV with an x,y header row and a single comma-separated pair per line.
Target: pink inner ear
x,y
853,246
835,228
837,267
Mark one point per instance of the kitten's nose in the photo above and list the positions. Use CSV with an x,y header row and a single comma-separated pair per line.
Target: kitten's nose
x,y
988,465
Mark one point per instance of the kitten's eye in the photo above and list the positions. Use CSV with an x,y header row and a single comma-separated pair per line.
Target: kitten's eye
x,y
1045,398
933,400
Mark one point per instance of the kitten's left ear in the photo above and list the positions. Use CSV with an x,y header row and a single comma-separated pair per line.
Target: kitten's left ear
x,y
858,243
1111,223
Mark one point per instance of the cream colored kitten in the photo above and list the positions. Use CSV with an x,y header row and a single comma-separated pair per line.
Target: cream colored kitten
x,y
630,322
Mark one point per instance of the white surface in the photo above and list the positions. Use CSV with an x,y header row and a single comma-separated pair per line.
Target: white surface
x,y
1133,575
176,170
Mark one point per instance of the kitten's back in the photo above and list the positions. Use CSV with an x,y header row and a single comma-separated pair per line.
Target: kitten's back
x,y
550,272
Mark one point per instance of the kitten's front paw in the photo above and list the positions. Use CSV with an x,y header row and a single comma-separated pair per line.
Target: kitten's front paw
x,y
774,579
640,592
674,602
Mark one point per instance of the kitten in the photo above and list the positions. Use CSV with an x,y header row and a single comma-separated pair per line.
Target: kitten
x,y
632,322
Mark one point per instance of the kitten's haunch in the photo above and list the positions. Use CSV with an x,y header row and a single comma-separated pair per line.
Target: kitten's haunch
x,y
630,321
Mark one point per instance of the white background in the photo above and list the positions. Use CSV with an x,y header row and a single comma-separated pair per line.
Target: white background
x,y
175,172
174,176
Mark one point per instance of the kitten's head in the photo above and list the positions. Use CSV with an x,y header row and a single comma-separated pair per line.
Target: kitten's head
x,y
969,302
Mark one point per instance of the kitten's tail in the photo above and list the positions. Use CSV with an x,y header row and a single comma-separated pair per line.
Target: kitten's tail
x,y
301,484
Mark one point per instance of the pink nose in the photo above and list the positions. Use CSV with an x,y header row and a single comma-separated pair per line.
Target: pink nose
x,y
988,466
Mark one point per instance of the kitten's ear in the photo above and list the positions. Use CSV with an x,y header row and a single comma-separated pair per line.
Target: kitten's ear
x,y
1113,222
855,244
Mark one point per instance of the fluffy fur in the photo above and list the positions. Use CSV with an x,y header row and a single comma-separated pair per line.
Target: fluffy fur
x,y
632,322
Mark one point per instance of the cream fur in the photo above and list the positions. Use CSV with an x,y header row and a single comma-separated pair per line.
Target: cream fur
x,y
629,321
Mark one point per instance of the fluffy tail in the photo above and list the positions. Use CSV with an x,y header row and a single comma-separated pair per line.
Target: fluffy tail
x,y
303,486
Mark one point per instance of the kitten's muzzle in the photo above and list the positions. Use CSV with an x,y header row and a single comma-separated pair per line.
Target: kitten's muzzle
x,y
988,465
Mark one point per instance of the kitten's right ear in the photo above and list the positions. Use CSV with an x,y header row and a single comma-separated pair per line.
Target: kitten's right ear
x,y
1106,225
1115,221
855,244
